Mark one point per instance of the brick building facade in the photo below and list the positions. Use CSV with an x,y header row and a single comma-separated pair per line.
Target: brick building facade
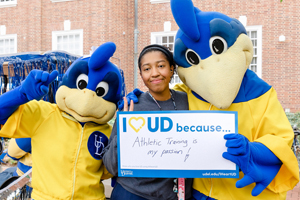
x,y
77,25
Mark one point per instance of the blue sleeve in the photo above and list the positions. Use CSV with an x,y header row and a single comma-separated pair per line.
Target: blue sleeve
x,y
9,102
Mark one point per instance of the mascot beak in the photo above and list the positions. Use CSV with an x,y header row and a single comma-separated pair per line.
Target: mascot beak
x,y
84,105
218,78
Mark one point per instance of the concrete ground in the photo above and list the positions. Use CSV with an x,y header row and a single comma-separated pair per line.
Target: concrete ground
x,y
291,195
294,194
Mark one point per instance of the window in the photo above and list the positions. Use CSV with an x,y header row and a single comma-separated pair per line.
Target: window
x,y
70,41
166,39
159,1
8,44
255,34
7,3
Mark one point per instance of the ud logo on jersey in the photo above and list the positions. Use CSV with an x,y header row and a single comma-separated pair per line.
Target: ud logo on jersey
x,y
96,144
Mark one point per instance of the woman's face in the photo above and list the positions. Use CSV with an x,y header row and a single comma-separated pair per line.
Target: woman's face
x,y
156,72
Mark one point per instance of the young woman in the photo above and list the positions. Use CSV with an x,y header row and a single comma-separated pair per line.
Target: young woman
x,y
157,68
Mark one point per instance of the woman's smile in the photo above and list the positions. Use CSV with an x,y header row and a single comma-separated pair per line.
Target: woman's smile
x,y
156,81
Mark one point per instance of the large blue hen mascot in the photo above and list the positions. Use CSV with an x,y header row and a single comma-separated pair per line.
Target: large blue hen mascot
x,y
213,53
68,137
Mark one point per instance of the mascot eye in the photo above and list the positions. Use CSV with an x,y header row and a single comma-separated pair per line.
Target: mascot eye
x,y
192,57
82,81
102,89
217,45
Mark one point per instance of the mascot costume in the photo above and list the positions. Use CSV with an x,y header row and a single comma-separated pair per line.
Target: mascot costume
x,y
213,53
68,138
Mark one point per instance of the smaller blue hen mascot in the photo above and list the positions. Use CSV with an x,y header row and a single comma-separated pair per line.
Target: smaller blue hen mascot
x,y
68,138
213,52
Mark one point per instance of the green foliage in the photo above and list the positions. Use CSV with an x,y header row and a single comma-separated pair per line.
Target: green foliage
x,y
294,119
12,162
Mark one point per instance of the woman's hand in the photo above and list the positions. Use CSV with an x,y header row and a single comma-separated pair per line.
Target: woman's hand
x,y
126,105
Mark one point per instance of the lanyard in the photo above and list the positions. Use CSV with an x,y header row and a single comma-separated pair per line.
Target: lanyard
x,y
180,189
173,100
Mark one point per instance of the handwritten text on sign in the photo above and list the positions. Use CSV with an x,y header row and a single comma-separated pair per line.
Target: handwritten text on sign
x,y
175,144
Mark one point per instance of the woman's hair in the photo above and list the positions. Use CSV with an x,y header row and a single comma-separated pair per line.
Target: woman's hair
x,y
155,47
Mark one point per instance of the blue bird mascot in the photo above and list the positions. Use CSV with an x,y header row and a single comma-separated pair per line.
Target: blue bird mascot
x,y
68,138
213,53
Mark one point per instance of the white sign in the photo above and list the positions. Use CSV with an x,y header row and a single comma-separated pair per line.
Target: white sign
x,y
175,144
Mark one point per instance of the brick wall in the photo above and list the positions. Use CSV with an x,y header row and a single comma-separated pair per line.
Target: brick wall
x,y
280,60
113,20
24,20
151,19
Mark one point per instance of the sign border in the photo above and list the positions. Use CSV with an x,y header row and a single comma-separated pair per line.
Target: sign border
x,y
163,173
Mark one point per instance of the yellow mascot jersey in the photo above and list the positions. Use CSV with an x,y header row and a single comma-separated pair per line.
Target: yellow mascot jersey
x,y
263,120
67,158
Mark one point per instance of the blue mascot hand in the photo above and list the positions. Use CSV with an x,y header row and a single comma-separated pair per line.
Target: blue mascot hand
x,y
36,84
131,96
256,161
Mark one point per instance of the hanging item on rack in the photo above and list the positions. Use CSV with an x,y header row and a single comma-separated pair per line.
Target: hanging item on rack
x,y
15,68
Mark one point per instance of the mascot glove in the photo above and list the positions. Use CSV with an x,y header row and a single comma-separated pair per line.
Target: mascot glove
x,y
256,161
36,84
131,96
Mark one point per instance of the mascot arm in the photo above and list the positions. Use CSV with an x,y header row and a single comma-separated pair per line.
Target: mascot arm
x,y
273,136
256,161
131,96
27,119
137,92
276,133
9,102
35,86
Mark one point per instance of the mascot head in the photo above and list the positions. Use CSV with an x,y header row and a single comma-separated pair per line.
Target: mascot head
x,y
213,53
92,87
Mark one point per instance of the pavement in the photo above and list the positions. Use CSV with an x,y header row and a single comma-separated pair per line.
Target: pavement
x,y
294,194
291,195
106,183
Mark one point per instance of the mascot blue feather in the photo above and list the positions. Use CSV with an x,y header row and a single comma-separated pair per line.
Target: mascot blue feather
x,y
69,137
213,53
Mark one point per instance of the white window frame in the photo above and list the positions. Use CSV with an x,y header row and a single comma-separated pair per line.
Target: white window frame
x,y
163,33
258,29
159,1
55,34
10,36
57,1
11,3
166,33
